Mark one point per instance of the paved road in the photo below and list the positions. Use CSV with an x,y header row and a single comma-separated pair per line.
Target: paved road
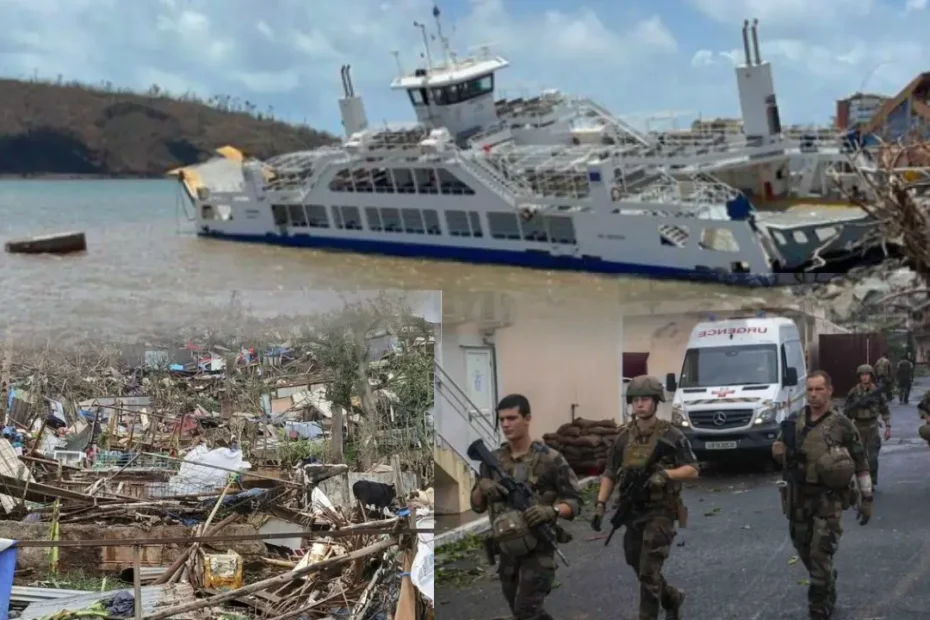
x,y
735,559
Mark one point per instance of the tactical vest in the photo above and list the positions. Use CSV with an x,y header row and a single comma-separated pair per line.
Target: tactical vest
x,y
867,413
814,442
637,448
508,526
882,368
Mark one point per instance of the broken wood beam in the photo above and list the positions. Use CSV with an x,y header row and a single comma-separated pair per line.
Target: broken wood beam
x,y
182,559
373,527
274,581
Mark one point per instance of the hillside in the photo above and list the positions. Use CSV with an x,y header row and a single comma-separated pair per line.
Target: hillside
x,y
73,129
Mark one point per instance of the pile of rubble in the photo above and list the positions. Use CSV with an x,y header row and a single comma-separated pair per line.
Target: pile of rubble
x,y
203,489
584,443
847,296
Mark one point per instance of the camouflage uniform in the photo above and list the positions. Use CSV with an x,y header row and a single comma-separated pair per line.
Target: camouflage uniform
x,y
527,580
883,376
866,420
814,510
648,538
905,379
923,410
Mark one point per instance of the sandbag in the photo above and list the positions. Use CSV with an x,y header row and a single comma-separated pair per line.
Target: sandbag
x,y
602,430
588,441
550,437
585,465
568,430
586,424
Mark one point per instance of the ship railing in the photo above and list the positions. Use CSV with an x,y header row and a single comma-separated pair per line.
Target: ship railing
x,y
500,128
625,129
507,186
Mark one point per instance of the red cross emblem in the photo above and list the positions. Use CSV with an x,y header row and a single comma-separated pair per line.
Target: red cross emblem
x,y
723,392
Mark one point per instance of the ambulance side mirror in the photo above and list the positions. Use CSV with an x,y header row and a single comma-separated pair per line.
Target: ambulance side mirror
x,y
791,377
670,384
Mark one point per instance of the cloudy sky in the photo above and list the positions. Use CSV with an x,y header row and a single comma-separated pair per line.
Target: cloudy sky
x,y
637,57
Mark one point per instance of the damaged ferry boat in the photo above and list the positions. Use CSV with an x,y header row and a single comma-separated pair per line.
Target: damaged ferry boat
x,y
552,182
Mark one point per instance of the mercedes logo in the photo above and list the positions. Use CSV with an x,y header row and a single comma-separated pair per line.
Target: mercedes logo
x,y
720,418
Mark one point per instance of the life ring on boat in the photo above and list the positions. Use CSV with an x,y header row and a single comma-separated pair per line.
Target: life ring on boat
x,y
615,194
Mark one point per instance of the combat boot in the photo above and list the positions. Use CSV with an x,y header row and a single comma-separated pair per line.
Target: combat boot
x,y
673,611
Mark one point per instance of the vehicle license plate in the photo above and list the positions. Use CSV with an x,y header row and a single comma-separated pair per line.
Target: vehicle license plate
x,y
720,445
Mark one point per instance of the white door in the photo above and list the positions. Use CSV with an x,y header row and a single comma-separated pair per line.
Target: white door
x,y
479,380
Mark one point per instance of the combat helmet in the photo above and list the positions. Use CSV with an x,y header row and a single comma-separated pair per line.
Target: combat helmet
x,y
835,468
865,369
924,432
644,385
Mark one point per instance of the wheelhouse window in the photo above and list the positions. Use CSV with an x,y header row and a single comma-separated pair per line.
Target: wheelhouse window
x,y
458,93
419,97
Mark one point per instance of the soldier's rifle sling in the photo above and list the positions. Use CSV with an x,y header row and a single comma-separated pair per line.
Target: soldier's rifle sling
x,y
631,489
862,401
519,495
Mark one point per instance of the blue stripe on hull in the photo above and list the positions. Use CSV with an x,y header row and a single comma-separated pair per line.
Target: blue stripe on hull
x,y
534,260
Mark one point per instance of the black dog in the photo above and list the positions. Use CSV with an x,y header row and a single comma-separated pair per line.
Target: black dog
x,y
375,494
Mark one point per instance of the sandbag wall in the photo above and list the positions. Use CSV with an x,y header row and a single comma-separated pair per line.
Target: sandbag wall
x,y
584,443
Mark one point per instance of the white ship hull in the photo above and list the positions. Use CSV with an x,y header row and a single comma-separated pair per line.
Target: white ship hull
x,y
605,243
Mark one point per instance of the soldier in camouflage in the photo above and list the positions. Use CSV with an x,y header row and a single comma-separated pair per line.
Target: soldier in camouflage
x,y
864,407
883,376
905,378
527,564
650,530
923,410
825,453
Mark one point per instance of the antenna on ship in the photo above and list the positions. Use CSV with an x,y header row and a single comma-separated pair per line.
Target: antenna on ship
x,y
429,58
400,67
442,39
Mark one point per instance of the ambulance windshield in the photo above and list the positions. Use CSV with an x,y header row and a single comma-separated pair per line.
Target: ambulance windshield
x,y
734,365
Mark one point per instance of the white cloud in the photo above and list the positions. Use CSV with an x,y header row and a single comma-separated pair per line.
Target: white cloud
x,y
805,13
266,30
269,81
702,58
622,54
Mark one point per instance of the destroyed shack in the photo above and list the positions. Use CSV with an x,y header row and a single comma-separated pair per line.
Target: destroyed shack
x,y
210,480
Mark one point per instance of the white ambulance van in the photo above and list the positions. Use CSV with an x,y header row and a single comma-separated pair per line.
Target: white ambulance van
x,y
740,378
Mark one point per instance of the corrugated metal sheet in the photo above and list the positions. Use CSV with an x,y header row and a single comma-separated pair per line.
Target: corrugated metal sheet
x,y
840,354
153,598
25,594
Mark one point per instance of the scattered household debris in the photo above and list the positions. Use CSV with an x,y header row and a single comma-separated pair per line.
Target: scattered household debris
x,y
61,243
218,485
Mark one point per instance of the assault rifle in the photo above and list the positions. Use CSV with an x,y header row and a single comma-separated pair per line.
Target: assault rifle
x,y
519,494
791,470
864,401
632,488
791,473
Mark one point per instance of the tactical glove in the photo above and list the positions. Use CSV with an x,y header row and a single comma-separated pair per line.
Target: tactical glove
x,y
865,510
598,516
492,491
539,515
658,479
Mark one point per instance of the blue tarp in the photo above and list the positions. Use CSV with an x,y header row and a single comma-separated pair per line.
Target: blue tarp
x,y
7,569
739,208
